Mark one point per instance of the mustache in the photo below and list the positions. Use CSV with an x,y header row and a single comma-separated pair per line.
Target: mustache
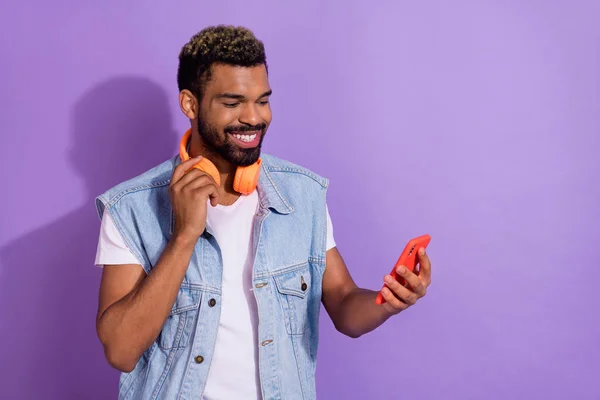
x,y
246,128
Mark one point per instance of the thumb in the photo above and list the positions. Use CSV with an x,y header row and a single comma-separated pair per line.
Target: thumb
x,y
214,197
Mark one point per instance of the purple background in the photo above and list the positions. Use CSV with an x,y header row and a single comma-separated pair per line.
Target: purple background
x,y
493,106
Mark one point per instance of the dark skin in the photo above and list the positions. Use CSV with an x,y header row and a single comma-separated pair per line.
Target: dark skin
x,y
133,306
234,95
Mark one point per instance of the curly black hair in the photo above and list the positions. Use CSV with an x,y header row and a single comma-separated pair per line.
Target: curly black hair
x,y
222,44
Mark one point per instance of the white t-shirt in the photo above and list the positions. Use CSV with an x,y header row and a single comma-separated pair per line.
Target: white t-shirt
x,y
233,371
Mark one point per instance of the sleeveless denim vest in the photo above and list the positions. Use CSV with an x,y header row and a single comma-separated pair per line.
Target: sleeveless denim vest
x,y
289,244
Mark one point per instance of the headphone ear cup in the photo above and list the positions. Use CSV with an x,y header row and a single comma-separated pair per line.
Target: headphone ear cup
x,y
205,165
246,178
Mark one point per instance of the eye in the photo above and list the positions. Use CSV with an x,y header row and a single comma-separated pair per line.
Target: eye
x,y
231,105
263,102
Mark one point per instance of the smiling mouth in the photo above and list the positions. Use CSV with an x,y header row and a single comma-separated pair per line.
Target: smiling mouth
x,y
246,139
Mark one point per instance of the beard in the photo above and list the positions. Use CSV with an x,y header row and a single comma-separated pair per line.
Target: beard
x,y
221,143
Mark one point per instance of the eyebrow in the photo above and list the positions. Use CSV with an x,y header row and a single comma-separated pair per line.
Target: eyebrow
x,y
235,96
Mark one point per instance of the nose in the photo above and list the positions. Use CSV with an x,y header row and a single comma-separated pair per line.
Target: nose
x,y
250,115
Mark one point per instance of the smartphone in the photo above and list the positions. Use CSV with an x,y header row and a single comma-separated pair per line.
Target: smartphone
x,y
409,258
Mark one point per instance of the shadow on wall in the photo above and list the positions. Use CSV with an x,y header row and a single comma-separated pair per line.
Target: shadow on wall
x,y
49,288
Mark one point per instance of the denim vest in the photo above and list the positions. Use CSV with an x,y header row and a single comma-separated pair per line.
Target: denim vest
x,y
289,241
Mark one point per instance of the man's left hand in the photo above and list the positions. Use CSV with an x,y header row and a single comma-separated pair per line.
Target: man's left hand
x,y
398,298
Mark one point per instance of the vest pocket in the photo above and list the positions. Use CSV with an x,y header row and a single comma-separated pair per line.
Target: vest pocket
x,y
293,287
180,322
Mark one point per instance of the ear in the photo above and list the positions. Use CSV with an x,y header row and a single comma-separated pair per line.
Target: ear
x,y
188,104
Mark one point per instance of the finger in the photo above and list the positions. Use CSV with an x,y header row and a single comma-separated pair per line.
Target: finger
x,y
194,175
212,192
413,280
425,266
182,168
195,179
400,291
392,301
200,182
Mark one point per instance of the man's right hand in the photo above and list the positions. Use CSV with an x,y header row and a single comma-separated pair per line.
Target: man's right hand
x,y
189,192
133,306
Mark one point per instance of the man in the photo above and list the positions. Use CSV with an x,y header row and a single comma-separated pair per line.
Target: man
x,y
209,293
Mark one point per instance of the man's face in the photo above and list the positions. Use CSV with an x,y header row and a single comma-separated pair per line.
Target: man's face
x,y
234,112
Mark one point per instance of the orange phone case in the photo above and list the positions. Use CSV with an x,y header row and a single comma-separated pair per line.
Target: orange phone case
x,y
408,258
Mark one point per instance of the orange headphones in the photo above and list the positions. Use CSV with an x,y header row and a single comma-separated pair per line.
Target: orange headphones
x,y
245,180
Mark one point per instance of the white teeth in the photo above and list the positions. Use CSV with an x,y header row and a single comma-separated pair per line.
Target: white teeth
x,y
245,138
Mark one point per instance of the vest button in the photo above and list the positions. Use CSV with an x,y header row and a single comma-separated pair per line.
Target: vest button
x,y
199,359
212,302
